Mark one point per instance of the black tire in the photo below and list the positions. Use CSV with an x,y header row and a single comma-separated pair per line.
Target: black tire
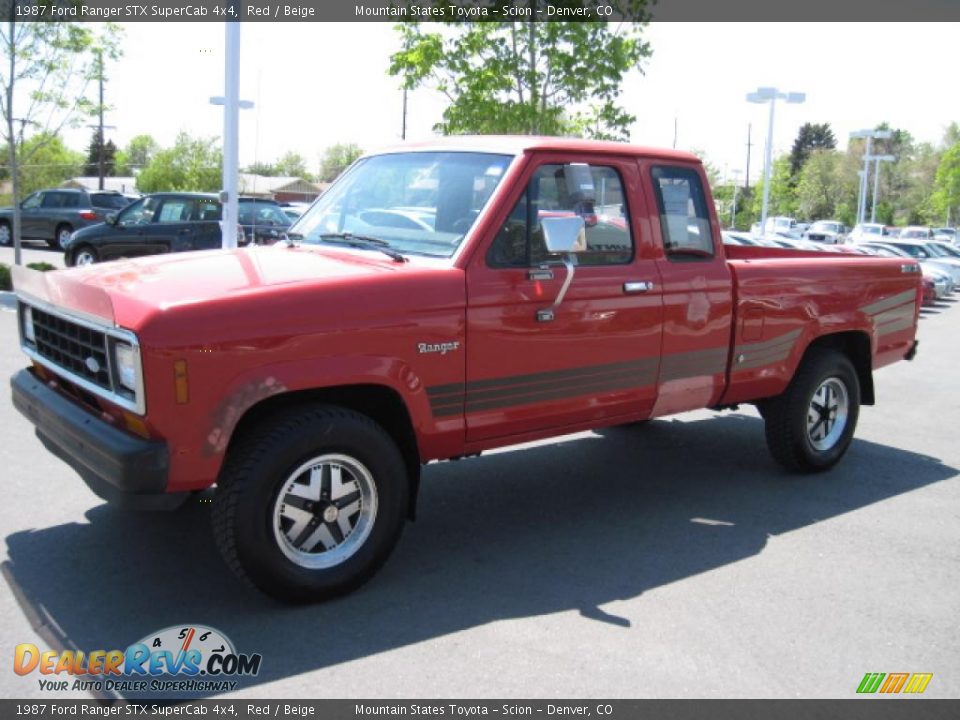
x,y
57,242
6,234
268,461
790,439
80,253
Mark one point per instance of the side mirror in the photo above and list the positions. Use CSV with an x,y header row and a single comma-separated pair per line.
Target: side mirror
x,y
111,219
564,235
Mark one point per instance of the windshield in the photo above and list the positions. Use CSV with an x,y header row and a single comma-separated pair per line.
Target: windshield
x,y
420,203
110,201
948,250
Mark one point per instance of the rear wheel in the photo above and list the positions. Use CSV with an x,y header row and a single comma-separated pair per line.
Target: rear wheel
x,y
810,426
84,255
311,504
61,237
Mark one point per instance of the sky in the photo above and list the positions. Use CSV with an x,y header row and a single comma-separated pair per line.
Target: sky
x,y
316,84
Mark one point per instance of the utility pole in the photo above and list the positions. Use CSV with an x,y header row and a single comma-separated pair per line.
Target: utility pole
x,y
100,127
746,185
674,132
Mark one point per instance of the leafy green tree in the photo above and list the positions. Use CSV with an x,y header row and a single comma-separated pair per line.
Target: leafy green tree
x,y
783,199
262,168
136,155
51,162
811,137
534,78
336,159
192,164
945,200
92,166
819,187
46,70
293,164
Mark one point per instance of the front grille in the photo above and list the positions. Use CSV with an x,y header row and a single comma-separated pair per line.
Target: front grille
x,y
79,349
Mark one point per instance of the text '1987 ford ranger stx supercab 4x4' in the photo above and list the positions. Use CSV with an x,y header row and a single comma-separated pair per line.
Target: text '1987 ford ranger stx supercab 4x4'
x,y
438,301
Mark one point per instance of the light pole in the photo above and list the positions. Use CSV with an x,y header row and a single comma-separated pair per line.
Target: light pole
x,y
876,182
770,95
870,135
231,128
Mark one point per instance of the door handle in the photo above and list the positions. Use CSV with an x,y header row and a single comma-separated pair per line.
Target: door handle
x,y
637,286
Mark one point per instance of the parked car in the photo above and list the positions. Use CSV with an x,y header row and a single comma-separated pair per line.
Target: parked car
x,y
830,232
310,382
779,224
919,251
916,232
865,232
945,234
941,279
52,215
154,224
293,210
263,221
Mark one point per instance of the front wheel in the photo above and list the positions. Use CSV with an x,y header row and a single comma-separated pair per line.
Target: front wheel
x,y
311,504
810,426
85,255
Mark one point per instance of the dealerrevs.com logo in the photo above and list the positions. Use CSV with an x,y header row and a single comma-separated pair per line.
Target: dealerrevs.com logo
x,y
180,658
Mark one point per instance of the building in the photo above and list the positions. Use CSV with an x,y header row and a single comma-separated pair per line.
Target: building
x,y
281,189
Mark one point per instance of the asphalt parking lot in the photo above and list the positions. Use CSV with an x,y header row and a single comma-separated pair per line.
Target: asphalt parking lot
x,y
672,559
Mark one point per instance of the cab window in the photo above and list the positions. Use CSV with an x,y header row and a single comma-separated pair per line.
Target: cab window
x,y
684,219
592,192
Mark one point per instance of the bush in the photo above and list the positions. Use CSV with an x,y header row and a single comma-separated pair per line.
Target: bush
x,y
41,266
5,283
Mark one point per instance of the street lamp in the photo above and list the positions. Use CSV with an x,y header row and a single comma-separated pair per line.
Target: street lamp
x,y
770,95
870,135
231,122
876,182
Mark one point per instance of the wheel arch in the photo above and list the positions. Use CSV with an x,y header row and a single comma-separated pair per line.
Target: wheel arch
x,y
855,344
380,403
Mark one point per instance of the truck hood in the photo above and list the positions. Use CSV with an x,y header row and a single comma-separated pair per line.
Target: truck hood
x,y
128,292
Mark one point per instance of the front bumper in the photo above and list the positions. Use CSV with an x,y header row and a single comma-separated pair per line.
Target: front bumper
x,y
125,470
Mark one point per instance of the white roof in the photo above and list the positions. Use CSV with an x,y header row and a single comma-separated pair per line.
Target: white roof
x,y
116,184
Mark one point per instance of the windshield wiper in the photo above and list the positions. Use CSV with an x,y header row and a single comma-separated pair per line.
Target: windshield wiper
x,y
363,241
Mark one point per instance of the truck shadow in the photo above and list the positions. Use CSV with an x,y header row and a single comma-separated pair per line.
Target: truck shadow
x,y
572,525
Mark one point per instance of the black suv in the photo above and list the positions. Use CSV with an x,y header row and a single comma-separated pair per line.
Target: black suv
x,y
52,215
157,223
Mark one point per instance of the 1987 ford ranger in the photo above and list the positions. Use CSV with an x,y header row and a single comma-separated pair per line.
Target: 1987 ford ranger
x,y
436,302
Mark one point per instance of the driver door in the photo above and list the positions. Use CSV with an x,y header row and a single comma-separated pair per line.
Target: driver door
x,y
532,365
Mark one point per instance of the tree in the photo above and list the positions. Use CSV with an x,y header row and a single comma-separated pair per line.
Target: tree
x,y
819,187
136,155
293,164
336,159
782,196
48,66
810,137
192,164
534,78
262,168
51,162
945,200
92,166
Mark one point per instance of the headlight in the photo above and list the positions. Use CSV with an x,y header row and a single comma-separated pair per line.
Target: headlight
x,y
28,332
126,365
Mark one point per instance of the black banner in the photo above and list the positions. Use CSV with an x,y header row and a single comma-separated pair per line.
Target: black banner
x,y
478,10
875,709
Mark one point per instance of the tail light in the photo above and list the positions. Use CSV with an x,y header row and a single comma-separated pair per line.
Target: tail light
x,y
88,215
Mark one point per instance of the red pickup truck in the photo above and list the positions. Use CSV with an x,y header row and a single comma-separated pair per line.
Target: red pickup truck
x,y
436,302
